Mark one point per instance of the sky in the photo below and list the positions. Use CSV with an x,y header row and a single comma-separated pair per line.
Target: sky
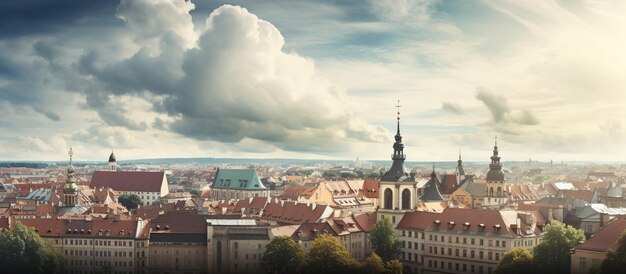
x,y
313,79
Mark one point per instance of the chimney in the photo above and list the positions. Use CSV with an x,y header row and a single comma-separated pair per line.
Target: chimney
x,y
604,219
550,217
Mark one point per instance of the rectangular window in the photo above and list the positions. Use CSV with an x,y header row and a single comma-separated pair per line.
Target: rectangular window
x,y
583,263
481,242
473,241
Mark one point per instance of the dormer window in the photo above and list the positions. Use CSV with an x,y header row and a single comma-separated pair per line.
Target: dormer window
x,y
450,224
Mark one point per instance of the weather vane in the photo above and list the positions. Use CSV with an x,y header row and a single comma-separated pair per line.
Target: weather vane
x,y
70,153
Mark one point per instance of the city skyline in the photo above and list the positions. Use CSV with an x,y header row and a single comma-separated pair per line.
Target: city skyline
x,y
313,80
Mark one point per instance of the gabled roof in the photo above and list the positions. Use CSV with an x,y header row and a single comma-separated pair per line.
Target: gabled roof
x,y
606,238
447,183
144,181
475,189
431,192
246,179
370,188
584,195
417,220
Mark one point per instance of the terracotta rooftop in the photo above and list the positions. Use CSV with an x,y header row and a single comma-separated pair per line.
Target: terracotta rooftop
x,y
417,220
179,222
94,227
584,195
370,188
144,181
606,238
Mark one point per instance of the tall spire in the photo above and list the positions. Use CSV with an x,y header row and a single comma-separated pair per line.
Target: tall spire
x,y
459,166
397,172
69,189
398,117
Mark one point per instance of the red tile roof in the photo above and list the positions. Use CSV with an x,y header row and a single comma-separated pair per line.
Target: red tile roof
x,y
417,220
293,213
83,228
448,184
179,222
584,195
606,238
144,181
294,192
370,188
366,221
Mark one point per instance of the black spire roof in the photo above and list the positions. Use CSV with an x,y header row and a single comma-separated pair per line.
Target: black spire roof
x,y
431,191
112,157
397,172
459,165
495,168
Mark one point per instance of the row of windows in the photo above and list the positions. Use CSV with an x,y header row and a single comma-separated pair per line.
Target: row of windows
x,y
472,241
98,242
464,253
91,272
458,267
254,255
98,263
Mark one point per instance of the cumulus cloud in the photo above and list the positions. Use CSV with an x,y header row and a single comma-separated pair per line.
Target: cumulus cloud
x,y
502,115
452,107
234,82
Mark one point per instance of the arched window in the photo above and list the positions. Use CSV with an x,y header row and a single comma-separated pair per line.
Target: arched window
x,y
491,191
406,199
388,198
499,191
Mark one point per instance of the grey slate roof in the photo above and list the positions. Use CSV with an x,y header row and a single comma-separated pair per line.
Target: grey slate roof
x,y
431,192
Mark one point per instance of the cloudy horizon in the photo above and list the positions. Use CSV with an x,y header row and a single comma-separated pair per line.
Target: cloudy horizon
x,y
313,80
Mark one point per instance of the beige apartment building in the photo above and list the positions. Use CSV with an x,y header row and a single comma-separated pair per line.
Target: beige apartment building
x,y
465,240
593,251
93,245
178,243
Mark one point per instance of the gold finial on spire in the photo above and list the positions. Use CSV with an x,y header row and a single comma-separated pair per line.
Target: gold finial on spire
x,y
398,106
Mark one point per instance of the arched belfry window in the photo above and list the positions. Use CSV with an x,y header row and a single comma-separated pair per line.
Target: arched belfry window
x,y
406,199
388,197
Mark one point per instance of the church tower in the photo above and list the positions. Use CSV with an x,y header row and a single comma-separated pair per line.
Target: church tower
x,y
460,172
398,190
70,191
112,162
496,191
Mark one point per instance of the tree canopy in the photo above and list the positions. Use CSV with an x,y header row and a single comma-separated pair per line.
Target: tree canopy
x,y
515,261
552,254
23,251
129,201
384,243
329,255
615,261
283,256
